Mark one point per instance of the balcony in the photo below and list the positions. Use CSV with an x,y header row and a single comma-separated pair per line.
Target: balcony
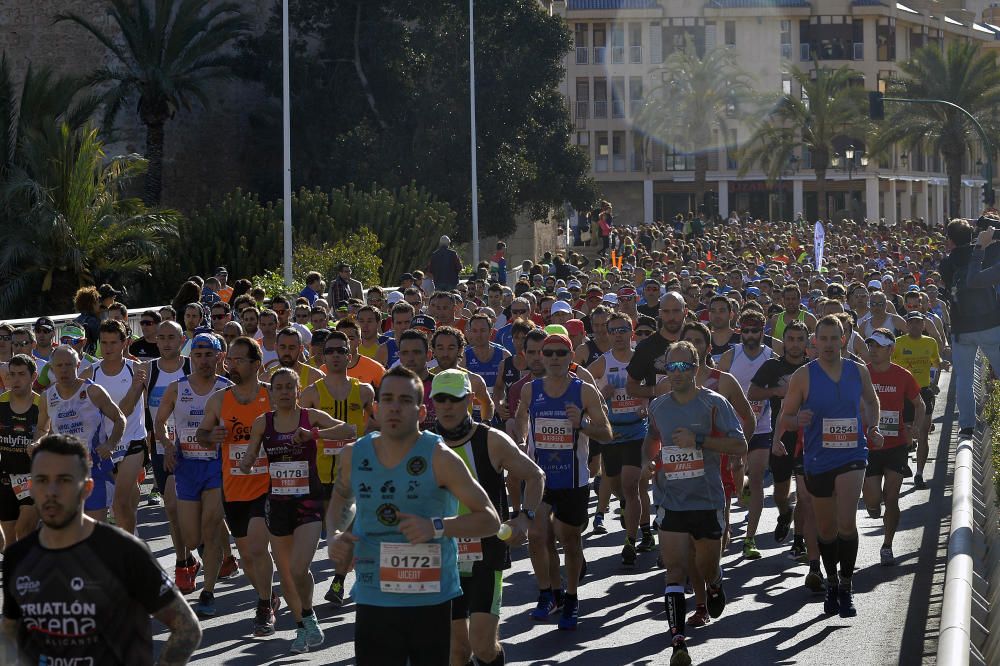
x,y
786,51
582,55
600,55
601,109
582,109
618,55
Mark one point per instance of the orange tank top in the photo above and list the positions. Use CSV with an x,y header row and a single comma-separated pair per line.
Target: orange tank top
x,y
238,420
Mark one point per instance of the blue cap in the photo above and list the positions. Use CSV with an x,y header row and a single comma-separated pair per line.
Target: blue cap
x,y
913,287
206,341
753,290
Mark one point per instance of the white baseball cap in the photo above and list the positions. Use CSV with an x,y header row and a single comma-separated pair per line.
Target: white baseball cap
x,y
561,306
875,284
394,297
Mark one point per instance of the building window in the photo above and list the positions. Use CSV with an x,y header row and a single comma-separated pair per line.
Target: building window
x,y
582,98
684,34
730,33
617,44
711,36
786,40
831,38
582,43
618,150
637,152
731,149
583,139
885,39
618,97
655,43
600,98
603,153
600,44
635,43
786,84
635,95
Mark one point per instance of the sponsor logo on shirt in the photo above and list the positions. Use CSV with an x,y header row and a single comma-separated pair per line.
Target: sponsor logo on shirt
x,y
25,585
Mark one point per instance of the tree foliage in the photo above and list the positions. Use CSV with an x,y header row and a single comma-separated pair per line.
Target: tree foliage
x,y
380,93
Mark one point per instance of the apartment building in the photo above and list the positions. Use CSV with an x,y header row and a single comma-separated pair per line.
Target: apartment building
x,y
620,45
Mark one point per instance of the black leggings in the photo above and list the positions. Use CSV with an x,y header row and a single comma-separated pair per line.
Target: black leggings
x,y
605,241
421,634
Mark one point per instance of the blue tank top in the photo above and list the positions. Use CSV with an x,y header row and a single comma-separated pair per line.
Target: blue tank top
x,y
390,571
487,370
555,445
392,350
836,436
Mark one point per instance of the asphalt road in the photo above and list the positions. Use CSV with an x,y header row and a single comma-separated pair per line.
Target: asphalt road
x,y
770,619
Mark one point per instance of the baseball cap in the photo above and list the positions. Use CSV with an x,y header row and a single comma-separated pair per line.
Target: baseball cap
x,y
107,291
626,292
220,270
753,290
206,341
561,306
685,272
405,276
575,327
451,382
423,321
881,339
886,278
558,339
595,290
73,331
575,284
394,297
556,329
914,314
44,322
563,294
835,290
913,287
611,299
875,284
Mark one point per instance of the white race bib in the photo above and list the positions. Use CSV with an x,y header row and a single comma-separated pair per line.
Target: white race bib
x,y
554,434
189,447
677,463
840,433
21,485
290,478
623,403
888,423
237,452
410,568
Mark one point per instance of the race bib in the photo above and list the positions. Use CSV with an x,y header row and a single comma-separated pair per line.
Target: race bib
x,y
21,485
556,434
840,433
290,478
470,549
238,452
757,407
677,463
410,568
188,438
333,447
888,423
622,403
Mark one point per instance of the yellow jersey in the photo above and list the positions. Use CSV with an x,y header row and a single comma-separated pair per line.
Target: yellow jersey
x,y
918,356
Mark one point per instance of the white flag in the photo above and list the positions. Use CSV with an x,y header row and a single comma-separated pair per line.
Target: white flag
x,y
818,237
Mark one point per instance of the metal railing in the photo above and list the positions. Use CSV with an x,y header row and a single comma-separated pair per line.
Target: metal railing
x,y
61,320
970,627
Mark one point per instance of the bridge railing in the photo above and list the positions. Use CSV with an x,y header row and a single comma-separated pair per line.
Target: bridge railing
x,y
61,320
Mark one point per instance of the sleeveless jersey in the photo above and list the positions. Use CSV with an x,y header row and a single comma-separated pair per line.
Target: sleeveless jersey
x,y
718,350
624,411
780,323
238,420
291,466
712,381
392,352
349,410
490,552
510,373
743,369
868,327
835,437
593,352
488,370
17,432
76,415
368,350
117,386
157,383
556,446
189,409
391,572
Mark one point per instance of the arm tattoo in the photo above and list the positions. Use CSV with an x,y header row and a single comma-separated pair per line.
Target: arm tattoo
x,y
185,632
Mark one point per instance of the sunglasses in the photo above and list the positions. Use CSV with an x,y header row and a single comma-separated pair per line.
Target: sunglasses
x,y
561,353
146,323
344,351
679,366
626,298
444,397
67,340
619,329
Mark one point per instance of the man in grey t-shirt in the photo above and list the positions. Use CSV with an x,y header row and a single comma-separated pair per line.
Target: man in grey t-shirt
x,y
689,428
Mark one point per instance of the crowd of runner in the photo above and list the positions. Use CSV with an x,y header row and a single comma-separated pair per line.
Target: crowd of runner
x,y
427,433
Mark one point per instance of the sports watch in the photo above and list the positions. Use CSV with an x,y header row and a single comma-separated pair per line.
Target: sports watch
x,y
438,524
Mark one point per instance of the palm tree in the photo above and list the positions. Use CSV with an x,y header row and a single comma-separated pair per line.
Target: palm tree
x,y
75,226
964,75
164,55
830,111
696,96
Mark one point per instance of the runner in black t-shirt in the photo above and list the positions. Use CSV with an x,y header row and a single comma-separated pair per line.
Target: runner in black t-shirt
x,y
82,591
648,360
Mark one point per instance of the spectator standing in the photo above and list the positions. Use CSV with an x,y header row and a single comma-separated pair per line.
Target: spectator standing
x,y
444,266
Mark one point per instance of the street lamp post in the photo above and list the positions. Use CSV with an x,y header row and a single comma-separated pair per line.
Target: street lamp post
x,y
286,130
472,140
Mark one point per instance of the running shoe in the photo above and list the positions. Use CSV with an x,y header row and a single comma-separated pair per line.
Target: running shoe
x,y
680,657
783,526
918,482
885,555
750,551
797,552
570,614
700,617
847,608
716,601
647,543
966,433
815,583
546,606
263,622
599,527
628,554
314,635
275,602
206,604
154,499
184,577
300,644
335,595
230,567
831,605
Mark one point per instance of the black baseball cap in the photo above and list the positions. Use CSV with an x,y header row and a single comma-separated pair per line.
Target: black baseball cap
x,y
44,322
423,321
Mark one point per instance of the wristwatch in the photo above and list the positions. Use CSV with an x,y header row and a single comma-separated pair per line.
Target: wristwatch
x,y
529,513
699,441
438,524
